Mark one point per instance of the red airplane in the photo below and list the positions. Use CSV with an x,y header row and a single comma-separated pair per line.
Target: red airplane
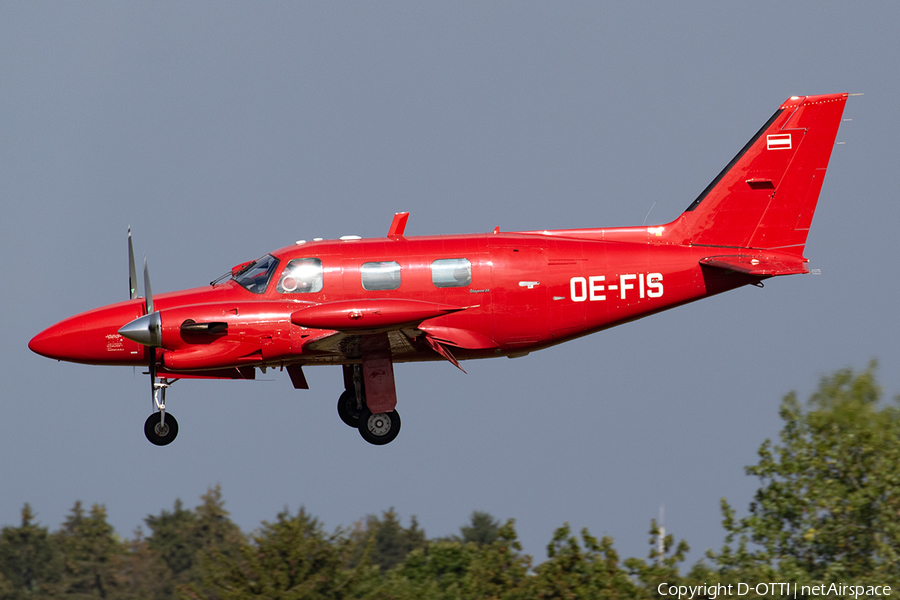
x,y
365,304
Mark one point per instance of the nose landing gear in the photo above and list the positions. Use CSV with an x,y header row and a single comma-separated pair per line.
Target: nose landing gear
x,y
160,427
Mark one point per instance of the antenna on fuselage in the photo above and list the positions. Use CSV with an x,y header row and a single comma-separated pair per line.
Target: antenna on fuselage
x,y
648,214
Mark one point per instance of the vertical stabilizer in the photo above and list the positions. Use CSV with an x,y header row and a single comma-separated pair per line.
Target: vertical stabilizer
x,y
766,196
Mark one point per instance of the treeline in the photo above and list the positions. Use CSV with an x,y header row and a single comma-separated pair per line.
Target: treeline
x,y
827,510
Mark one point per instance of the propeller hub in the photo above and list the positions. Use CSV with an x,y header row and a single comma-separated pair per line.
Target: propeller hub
x,y
146,330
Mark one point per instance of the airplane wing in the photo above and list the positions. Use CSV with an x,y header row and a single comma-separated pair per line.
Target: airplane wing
x,y
410,326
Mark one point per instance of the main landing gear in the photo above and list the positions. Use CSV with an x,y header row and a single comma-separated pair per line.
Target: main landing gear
x,y
377,428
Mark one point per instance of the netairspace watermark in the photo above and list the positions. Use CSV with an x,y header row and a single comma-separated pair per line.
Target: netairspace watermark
x,y
775,590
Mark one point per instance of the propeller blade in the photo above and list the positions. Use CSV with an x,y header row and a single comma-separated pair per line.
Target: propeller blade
x,y
147,330
148,295
132,272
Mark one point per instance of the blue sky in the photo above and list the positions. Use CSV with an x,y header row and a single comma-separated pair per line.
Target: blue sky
x,y
221,131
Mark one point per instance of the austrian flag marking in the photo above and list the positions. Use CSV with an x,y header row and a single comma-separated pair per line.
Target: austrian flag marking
x,y
778,141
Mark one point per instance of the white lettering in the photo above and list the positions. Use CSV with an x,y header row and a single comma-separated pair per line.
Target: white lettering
x,y
625,286
580,284
654,285
595,287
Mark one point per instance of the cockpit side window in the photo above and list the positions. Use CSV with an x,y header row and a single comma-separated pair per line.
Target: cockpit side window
x,y
301,276
256,276
451,272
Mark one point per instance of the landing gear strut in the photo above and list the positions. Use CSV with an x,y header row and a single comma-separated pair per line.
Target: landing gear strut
x,y
160,427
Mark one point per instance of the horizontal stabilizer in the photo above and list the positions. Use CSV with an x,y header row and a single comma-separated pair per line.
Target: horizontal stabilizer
x,y
766,265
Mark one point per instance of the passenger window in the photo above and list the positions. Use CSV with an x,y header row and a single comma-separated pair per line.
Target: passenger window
x,y
380,275
301,276
451,272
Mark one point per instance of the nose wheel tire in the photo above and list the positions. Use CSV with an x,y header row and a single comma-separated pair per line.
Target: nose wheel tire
x,y
347,410
158,433
379,428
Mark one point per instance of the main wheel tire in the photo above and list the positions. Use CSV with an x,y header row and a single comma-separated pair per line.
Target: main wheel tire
x,y
157,435
347,410
379,428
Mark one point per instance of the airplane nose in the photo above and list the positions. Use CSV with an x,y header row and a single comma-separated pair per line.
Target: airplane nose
x,y
62,341
92,337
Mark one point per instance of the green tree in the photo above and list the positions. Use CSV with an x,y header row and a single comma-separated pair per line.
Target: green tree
x,y
662,565
214,527
7,591
144,574
26,559
436,571
172,537
573,571
290,558
828,505
182,537
498,569
91,554
452,569
385,539
482,529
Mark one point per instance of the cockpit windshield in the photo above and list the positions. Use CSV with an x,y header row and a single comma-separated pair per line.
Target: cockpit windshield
x,y
255,276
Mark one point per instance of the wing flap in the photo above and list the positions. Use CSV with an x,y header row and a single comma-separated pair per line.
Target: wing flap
x,y
461,338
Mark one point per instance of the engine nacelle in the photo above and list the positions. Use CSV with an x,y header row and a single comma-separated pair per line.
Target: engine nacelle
x,y
218,335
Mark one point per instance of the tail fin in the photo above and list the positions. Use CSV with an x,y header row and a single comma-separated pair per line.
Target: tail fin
x,y
766,196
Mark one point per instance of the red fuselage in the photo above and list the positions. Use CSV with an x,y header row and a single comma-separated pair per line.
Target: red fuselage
x,y
526,291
